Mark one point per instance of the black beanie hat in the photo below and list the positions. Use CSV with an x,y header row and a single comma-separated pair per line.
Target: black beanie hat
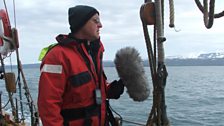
x,y
79,15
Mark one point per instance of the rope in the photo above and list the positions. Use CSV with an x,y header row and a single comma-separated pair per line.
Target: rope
x,y
208,15
29,99
5,105
171,5
148,1
14,97
20,95
9,94
201,8
149,47
160,30
14,9
32,107
162,18
157,115
150,53
136,123
121,120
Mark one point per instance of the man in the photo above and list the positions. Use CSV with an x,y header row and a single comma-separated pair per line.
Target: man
x,y
72,86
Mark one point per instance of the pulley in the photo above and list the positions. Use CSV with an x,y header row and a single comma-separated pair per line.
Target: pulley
x,y
147,13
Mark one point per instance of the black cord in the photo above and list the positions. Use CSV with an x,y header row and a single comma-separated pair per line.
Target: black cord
x,y
120,117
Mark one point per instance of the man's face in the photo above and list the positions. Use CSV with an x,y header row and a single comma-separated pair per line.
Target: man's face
x,y
91,30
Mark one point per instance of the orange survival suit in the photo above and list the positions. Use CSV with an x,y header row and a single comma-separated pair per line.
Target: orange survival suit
x,y
72,86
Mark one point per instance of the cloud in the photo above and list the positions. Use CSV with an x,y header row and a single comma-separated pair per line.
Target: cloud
x,y
39,21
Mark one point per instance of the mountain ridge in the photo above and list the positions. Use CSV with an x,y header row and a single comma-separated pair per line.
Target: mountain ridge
x,y
206,59
168,62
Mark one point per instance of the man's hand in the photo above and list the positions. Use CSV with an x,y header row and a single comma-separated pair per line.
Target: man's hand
x,y
116,88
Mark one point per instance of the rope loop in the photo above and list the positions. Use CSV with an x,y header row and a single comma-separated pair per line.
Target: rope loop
x,y
208,15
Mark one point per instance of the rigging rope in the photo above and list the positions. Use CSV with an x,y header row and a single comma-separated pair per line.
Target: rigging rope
x,y
157,115
132,122
5,105
171,6
172,15
32,107
9,93
201,8
208,15
14,10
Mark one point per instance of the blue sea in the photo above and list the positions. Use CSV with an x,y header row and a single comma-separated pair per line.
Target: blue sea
x,y
194,96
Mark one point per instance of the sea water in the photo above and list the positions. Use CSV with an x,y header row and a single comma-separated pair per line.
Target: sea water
x,y
194,96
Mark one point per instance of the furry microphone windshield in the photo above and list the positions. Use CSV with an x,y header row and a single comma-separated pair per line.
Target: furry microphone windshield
x,y
130,69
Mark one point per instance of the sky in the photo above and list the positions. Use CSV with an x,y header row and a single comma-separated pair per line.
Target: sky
x,y
40,21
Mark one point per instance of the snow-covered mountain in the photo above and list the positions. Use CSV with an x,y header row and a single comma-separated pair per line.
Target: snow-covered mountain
x,y
205,59
217,55
211,55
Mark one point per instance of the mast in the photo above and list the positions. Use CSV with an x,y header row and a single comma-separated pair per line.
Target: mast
x,y
158,115
10,44
152,13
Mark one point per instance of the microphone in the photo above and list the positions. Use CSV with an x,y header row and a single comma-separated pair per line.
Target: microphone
x,y
130,69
